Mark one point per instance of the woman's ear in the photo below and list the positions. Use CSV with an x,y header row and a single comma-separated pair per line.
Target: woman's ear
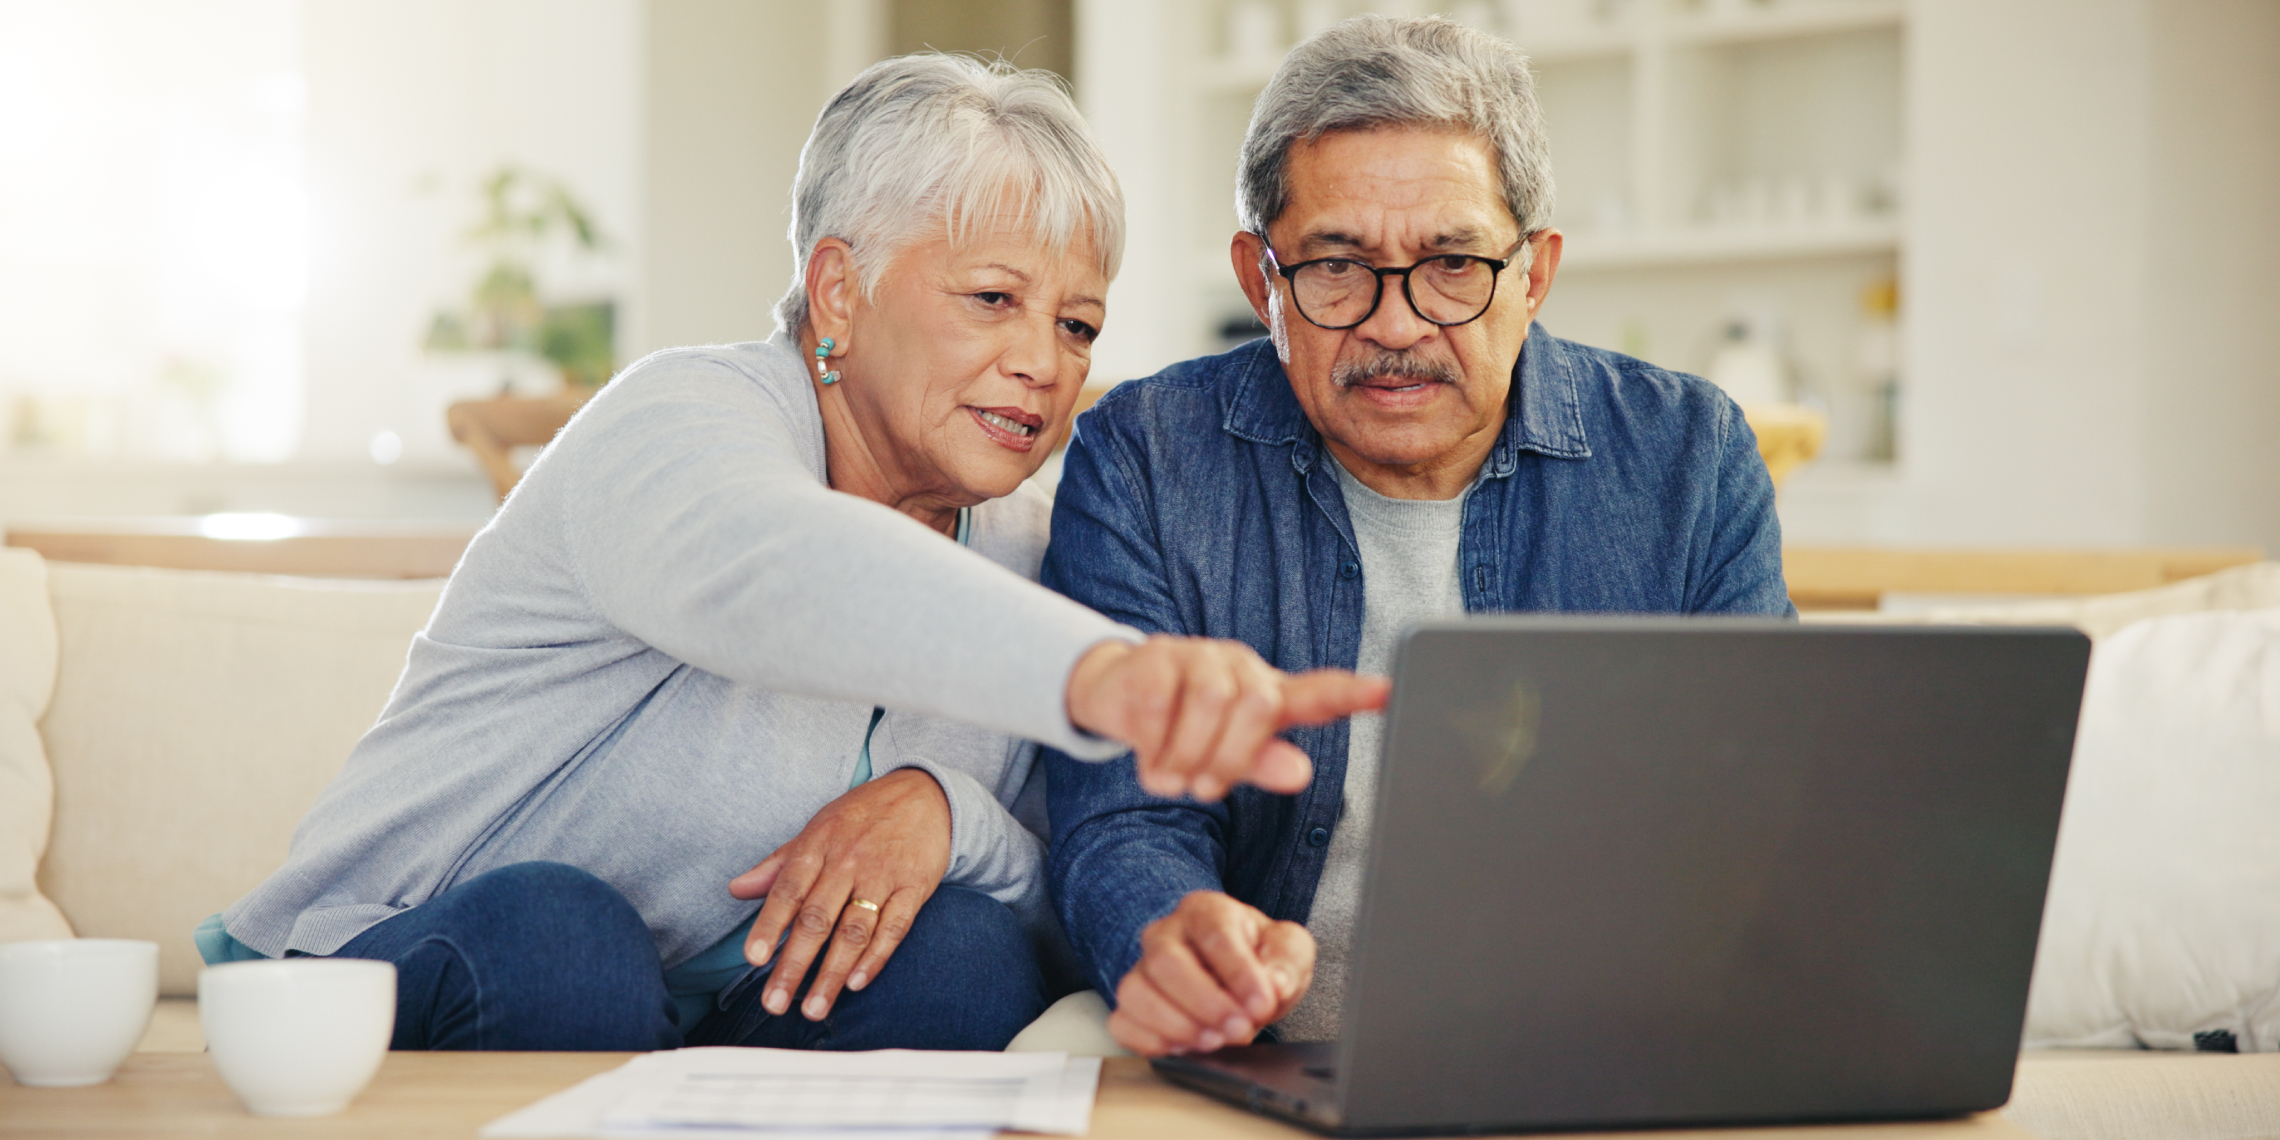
x,y
831,289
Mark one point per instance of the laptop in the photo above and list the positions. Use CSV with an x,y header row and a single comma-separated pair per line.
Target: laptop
x,y
1661,872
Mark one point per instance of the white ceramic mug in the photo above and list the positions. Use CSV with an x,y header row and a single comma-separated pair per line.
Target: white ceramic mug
x,y
73,1008
298,1036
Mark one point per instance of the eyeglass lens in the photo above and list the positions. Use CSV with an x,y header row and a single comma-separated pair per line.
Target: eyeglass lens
x,y
1446,290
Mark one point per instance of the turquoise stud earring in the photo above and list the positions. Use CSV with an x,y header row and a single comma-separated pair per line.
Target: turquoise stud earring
x,y
822,354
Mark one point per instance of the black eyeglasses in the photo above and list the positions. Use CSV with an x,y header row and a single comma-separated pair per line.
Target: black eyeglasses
x,y
1340,292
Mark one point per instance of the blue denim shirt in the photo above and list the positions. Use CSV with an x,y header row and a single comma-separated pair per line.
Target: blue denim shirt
x,y
1198,501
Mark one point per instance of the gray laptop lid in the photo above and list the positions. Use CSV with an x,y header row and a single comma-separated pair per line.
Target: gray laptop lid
x,y
1660,871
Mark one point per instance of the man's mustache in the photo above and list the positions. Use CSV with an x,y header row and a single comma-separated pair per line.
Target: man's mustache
x,y
1394,366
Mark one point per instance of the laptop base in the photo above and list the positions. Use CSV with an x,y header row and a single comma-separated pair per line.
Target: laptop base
x,y
1296,1082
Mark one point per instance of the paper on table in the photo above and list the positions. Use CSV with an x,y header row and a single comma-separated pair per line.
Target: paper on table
x,y
891,1088
780,1094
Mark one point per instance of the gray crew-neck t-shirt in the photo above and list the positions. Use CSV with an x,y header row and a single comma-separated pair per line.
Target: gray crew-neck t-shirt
x,y
1409,574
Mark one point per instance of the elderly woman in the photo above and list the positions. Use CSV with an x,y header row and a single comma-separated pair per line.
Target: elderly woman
x,y
762,622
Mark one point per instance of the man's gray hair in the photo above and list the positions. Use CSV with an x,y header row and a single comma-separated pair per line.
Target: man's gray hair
x,y
925,141
1375,71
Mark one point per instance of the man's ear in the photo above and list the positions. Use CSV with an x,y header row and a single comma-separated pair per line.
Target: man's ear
x,y
831,289
1542,266
1247,251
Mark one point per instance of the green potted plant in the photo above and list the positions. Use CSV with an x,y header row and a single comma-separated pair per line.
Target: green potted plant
x,y
523,213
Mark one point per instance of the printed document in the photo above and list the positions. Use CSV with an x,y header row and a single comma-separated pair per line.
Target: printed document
x,y
783,1094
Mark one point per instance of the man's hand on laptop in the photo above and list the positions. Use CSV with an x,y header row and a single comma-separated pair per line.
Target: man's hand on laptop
x,y
1211,973
1201,714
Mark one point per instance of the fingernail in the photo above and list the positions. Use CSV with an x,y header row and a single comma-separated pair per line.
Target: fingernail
x,y
858,980
815,1008
777,1001
1209,1041
1237,1029
1260,1007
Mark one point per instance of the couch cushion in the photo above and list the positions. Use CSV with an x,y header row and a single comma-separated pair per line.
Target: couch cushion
x,y
27,792
196,716
2163,920
1076,1024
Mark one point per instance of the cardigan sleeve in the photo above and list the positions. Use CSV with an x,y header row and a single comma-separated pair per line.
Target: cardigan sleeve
x,y
697,527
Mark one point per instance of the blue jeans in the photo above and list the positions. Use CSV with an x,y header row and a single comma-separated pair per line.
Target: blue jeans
x,y
965,977
543,956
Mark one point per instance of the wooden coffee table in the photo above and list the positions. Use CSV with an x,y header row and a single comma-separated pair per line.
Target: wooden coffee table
x,y
454,1094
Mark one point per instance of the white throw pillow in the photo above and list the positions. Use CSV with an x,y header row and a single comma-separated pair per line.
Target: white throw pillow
x,y
196,716
27,790
2163,920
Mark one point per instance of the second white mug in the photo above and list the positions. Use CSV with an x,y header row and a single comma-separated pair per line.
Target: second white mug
x,y
298,1036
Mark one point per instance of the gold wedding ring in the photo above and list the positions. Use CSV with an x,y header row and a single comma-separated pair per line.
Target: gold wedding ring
x,y
866,904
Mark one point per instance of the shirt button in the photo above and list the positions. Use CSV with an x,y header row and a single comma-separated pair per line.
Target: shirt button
x,y
1349,569
1320,836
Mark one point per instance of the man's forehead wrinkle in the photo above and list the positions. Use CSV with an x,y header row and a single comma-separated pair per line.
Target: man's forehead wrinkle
x,y
1457,238
1329,239
1377,190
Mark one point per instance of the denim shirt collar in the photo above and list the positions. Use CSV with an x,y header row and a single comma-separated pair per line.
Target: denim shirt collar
x,y
1545,416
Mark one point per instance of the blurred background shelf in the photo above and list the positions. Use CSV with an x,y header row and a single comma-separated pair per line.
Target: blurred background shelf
x,y
1776,21
1704,245
255,543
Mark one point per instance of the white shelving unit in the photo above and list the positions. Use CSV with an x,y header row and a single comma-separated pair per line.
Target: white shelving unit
x,y
1717,161
1737,165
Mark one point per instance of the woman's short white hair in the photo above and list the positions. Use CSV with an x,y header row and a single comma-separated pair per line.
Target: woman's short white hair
x,y
1371,72
930,140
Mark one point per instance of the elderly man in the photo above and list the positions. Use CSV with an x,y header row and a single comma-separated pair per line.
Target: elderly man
x,y
1407,445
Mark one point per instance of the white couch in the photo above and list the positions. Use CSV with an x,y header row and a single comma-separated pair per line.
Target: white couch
x,y
189,718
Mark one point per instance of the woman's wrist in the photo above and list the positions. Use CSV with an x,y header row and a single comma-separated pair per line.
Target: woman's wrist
x,y
1081,700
